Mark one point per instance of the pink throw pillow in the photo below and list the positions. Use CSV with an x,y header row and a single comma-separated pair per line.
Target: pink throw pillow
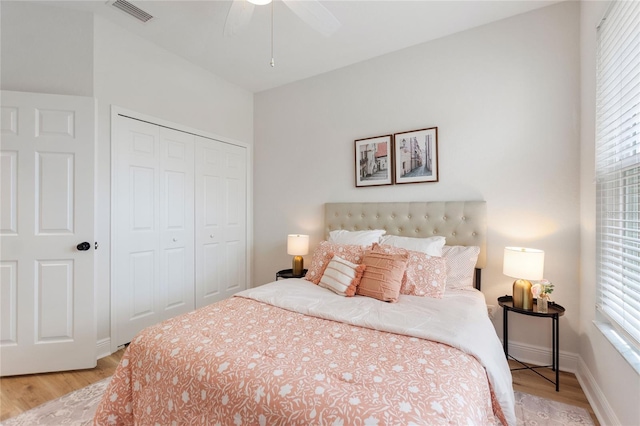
x,y
424,276
383,276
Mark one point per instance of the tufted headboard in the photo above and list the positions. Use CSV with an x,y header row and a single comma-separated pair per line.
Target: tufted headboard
x,y
463,223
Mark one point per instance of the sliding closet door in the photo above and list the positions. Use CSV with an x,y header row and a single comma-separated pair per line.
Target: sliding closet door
x,y
221,220
153,215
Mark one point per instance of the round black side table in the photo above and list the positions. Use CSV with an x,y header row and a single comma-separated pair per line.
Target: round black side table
x,y
555,311
288,273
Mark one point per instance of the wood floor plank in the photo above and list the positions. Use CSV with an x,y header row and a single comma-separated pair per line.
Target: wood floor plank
x,y
570,391
21,393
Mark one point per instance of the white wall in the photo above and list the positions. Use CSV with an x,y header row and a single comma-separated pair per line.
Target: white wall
x,y
119,68
505,98
46,49
611,383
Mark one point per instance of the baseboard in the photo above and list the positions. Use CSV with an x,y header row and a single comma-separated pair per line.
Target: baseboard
x,y
542,356
103,348
597,399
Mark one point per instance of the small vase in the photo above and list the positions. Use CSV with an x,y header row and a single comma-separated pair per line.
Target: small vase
x,y
543,304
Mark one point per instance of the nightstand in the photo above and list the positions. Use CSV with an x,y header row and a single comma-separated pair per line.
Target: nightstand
x,y
288,273
555,312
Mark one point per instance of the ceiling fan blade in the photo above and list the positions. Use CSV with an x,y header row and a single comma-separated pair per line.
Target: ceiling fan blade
x,y
314,14
238,17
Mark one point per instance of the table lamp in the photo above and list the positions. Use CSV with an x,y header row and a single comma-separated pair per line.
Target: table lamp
x,y
524,264
297,246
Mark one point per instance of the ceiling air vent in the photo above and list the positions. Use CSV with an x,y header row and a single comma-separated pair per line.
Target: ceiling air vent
x,y
132,10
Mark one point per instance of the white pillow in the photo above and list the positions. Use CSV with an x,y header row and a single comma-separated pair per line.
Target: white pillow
x,y
431,245
363,238
461,264
341,276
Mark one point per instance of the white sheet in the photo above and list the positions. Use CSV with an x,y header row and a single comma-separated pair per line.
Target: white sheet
x,y
459,319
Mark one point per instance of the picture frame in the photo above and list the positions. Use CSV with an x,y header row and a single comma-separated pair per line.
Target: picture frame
x,y
373,161
416,156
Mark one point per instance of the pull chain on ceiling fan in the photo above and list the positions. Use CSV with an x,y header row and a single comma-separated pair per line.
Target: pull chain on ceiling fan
x,y
312,12
272,63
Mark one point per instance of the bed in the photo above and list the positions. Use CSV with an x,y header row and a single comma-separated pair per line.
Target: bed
x,y
294,353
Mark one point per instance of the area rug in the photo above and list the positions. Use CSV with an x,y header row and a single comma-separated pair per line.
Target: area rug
x,y
77,409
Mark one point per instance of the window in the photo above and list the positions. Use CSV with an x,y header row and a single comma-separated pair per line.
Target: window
x,y
618,169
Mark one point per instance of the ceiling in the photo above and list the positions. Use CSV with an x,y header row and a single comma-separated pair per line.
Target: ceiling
x,y
194,31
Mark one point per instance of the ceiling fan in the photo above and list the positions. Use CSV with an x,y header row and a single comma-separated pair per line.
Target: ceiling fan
x,y
312,12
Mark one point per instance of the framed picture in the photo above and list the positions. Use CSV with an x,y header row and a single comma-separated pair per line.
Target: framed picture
x,y
416,156
374,161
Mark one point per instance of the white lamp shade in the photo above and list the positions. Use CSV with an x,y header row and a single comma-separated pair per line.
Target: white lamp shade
x,y
297,245
260,2
524,263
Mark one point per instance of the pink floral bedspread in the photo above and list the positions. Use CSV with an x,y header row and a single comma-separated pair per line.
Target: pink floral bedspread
x,y
243,362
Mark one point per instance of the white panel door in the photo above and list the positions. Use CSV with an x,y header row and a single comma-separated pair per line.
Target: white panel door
x,y
153,226
176,275
221,220
46,210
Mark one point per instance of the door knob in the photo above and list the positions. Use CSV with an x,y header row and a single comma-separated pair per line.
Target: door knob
x,y
83,246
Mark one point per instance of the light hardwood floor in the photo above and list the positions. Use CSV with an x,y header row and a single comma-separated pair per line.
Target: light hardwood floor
x,y
570,391
21,393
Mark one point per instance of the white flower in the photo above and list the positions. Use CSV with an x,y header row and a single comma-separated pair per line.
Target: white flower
x,y
223,367
405,407
347,376
319,390
371,421
354,401
536,289
285,390
319,377
185,396
259,393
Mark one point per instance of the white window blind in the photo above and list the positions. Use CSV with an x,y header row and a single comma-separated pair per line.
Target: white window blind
x,y
618,167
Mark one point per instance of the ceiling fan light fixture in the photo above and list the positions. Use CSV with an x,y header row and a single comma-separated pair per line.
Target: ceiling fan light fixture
x,y
259,2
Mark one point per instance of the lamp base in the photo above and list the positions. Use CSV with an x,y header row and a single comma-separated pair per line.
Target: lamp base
x,y
522,297
298,265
